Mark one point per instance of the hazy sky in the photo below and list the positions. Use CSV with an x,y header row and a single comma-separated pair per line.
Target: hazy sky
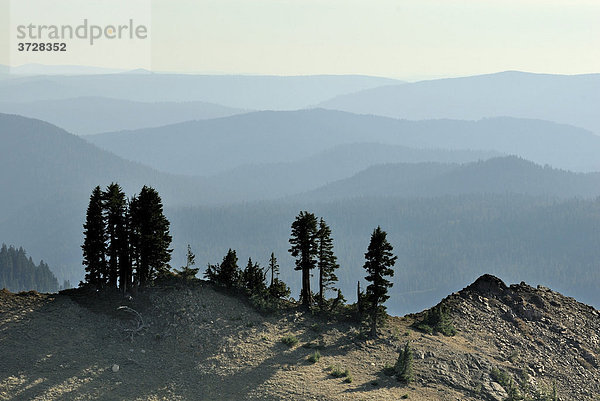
x,y
403,39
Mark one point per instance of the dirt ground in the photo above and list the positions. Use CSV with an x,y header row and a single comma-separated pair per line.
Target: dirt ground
x,y
198,344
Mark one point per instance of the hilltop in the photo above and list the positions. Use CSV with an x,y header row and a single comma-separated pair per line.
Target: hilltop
x,y
201,343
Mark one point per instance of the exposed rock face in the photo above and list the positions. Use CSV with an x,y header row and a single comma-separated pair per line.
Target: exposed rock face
x,y
538,338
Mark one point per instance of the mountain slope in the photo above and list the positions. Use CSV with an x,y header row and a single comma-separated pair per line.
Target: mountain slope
x,y
275,180
47,176
213,146
201,343
92,115
497,175
568,99
237,91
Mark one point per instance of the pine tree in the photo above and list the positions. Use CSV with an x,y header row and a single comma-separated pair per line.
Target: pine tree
x,y
327,261
115,205
273,268
253,278
150,236
378,264
404,365
304,248
227,273
188,272
94,242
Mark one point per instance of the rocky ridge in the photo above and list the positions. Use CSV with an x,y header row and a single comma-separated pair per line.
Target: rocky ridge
x,y
200,343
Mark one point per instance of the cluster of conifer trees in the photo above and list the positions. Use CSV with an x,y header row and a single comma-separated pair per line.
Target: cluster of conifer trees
x,y
18,272
312,246
252,279
126,241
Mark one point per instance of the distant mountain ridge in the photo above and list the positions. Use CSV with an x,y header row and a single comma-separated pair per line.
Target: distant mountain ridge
x,y
92,115
275,180
493,176
567,99
214,146
48,175
262,92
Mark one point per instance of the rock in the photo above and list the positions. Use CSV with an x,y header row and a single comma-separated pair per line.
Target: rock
x,y
494,391
115,368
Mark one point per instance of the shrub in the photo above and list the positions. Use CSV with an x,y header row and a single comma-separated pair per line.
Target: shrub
x,y
289,340
436,320
314,357
336,371
507,383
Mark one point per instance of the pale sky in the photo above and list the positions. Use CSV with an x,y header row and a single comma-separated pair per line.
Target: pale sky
x,y
401,39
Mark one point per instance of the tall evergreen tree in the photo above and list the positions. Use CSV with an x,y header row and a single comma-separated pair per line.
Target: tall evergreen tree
x,y
115,218
188,272
94,242
327,261
379,261
151,237
304,248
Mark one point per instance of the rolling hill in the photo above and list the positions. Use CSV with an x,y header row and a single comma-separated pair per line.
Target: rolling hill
x,y
567,99
48,174
496,175
275,180
237,91
214,146
92,115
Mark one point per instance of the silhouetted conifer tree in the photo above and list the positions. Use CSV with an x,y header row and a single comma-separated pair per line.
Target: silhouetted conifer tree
x,y
227,273
253,278
326,261
378,264
188,272
94,242
277,289
115,205
151,237
304,249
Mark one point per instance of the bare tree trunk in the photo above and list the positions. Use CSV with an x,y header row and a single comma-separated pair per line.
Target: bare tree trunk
x,y
321,295
306,295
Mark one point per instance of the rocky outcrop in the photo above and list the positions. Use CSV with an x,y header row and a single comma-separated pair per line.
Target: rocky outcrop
x,y
536,338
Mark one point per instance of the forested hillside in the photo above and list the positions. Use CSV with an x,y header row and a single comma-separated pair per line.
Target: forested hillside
x,y
497,175
18,272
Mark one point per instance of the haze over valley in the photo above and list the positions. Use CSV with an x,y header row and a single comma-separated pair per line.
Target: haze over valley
x,y
491,187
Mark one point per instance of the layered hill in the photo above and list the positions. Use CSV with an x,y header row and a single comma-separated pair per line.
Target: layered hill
x,y
237,91
568,99
493,176
47,176
92,115
201,343
214,146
